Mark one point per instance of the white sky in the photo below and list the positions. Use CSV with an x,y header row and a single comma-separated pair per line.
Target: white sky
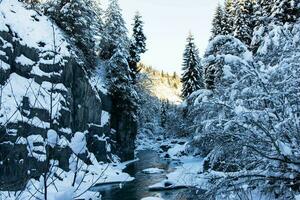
x,y
167,23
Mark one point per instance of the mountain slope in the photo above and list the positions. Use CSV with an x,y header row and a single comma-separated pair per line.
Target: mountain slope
x,y
163,85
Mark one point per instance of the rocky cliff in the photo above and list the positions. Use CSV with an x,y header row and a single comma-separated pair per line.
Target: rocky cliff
x,y
44,86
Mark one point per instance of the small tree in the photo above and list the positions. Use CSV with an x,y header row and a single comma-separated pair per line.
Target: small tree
x,y
115,32
138,45
192,75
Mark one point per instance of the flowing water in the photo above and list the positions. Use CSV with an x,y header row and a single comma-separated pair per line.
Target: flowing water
x,y
138,188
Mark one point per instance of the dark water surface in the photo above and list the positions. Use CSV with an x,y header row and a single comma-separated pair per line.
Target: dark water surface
x,y
138,188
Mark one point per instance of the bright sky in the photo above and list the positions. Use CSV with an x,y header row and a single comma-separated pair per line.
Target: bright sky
x,y
167,24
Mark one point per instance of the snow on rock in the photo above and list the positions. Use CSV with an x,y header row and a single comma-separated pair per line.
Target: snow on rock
x,y
23,60
143,142
4,65
153,171
98,80
52,137
26,97
152,198
99,173
36,147
177,150
105,117
185,175
78,143
17,88
20,20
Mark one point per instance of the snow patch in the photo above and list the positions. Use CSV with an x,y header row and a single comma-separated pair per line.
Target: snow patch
x,y
153,171
78,143
105,117
4,65
32,27
52,138
23,60
185,175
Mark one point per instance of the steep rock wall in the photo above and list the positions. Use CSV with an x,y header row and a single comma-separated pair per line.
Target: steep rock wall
x,y
43,86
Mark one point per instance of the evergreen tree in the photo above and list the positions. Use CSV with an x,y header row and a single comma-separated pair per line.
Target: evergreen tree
x,y
81,20
174,75
192,75
243,23
120,84
115,32
261,20
124,103
32,2
218,22
137,46
228,18
285,11
163,114
262,10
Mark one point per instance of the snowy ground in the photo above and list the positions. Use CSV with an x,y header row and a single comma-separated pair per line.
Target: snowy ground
x,y
186,174
62,189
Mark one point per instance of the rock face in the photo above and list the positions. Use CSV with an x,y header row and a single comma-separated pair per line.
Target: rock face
x,y
44,86
124,135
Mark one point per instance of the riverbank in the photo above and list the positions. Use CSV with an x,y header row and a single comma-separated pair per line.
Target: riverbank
x,y
187,169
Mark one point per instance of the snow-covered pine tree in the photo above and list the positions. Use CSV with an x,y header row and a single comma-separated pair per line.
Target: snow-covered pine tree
x,y
137,45
163,114
286,11
262,10
192,72
81,20
228,17
243,21
218,22
32,2
115,32
124,102
120,86
261,20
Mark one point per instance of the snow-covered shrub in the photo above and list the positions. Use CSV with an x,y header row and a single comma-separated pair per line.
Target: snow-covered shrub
x,y
230,64
276,42
247,126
